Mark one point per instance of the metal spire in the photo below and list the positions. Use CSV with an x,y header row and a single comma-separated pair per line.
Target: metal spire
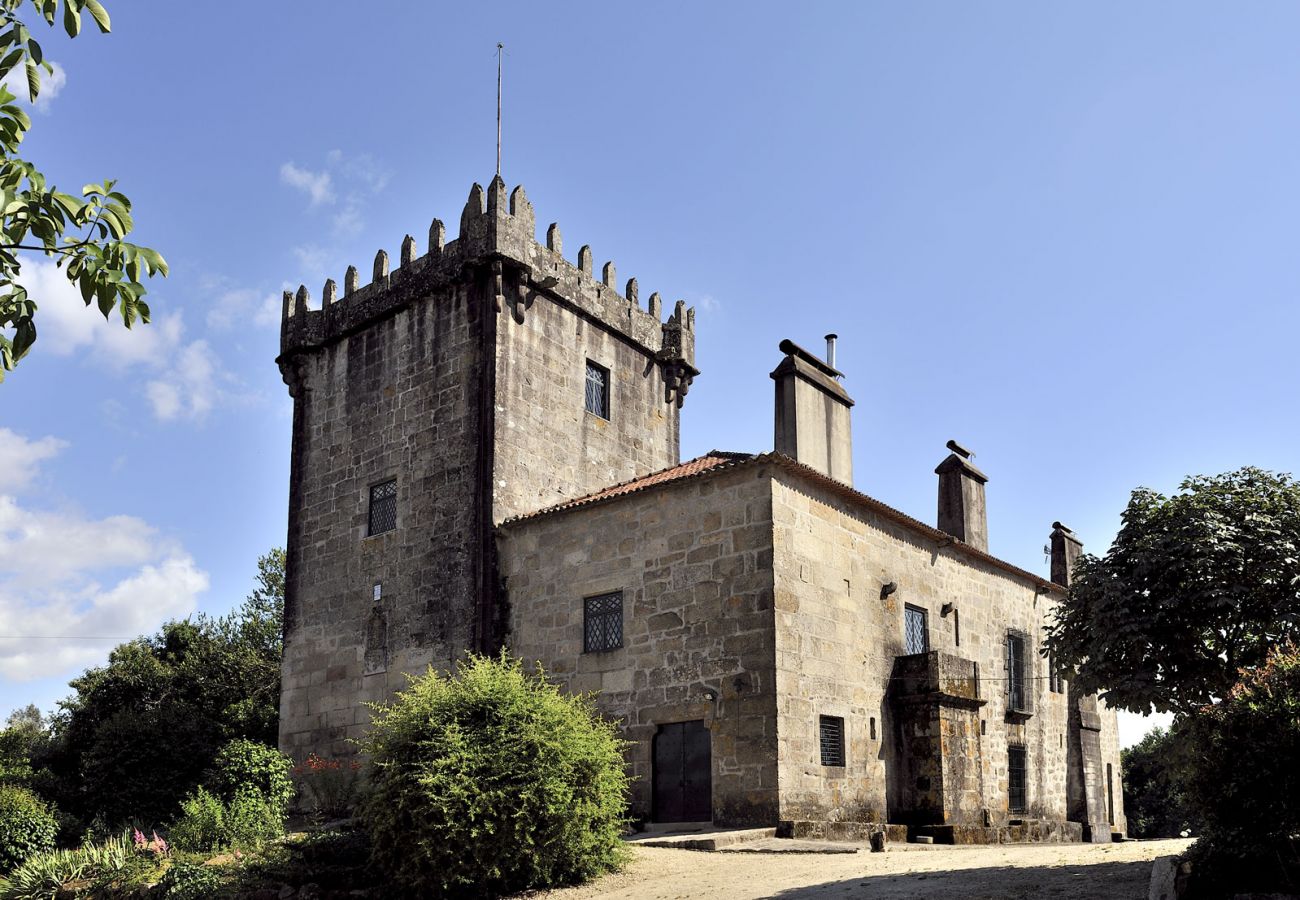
x,y
500,53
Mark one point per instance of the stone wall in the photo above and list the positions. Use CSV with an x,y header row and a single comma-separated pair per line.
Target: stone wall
x,y
693,560
395,400
837,639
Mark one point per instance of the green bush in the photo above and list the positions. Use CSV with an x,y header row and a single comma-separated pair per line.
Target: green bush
x,y
492,782
190,881
1245,784
27,825
248,821
243,764
108,868
1155,791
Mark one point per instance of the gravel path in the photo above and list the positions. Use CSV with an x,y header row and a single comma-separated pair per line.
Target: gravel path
x,y
904,872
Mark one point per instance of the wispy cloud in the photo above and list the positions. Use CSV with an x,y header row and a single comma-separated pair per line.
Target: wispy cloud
x,y
194,382
66,578
243,305
20,458
316,185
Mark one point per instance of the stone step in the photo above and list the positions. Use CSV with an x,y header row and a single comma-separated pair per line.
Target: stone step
x,y
712,839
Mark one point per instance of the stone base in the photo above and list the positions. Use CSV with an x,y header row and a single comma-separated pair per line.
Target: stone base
x,y
840,831
1030,831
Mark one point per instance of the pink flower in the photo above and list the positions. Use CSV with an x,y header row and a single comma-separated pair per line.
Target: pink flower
x,y
138,838
159,845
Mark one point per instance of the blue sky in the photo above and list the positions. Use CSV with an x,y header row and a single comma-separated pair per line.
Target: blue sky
x,y
1063,235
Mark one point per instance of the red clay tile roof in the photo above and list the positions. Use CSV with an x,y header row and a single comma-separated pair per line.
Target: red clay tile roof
x,y
711,460
716,460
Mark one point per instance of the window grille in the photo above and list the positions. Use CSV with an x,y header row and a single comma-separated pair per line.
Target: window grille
x,y
383,507
1016,800
602,623
597,390
915,636
832,740
1017,674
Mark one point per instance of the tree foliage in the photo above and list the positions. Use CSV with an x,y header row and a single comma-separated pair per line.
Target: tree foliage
x,y
84,235
1195,587
1155,786
1245,783
492,782
141,732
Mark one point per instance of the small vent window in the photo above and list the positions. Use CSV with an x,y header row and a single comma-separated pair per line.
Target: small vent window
x,y
915,635
1016,779
383,507
832,740
602,623
597,390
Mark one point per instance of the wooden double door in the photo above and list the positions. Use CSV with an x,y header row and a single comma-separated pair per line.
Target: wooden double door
x,y
683,773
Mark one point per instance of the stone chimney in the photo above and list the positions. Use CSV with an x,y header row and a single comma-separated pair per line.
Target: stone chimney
x,y
961,498
812,413
1066,548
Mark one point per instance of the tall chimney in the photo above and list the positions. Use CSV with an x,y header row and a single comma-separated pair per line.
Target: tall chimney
x,y
830,349
961,498
1066,548
812,412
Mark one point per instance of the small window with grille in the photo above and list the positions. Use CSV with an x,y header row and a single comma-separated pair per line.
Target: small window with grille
x,y
602,623
916,638
383,507
1016,768
597,390
831,734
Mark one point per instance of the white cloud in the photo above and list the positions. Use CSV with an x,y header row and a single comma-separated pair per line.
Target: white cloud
x,y
66,578
316,185
194,381
19,458
242,305
51,84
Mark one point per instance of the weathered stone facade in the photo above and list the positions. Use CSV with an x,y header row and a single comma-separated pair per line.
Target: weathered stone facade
x,y
754,607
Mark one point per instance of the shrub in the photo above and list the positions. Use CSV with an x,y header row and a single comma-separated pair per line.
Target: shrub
x,y
105,868
249,820
243,764
1155,791
27,825
1245,784
491,782
190,881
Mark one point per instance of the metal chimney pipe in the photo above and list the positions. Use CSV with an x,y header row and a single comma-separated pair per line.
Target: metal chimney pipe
x,y
830,349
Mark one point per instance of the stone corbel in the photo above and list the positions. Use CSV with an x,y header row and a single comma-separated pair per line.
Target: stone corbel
x,y
678,376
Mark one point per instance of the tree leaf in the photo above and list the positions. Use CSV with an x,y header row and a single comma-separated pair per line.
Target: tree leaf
x,y
34,50
33,81
71,18
100,15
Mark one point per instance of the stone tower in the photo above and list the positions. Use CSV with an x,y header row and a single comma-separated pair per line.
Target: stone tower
x,y
488,378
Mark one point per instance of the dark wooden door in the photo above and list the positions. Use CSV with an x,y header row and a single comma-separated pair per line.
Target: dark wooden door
x,y
683,773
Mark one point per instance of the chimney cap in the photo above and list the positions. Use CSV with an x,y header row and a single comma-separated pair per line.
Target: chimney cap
x,y
790,348
957,448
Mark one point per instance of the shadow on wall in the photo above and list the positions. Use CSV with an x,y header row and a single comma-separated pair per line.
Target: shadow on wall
x,y
1105,881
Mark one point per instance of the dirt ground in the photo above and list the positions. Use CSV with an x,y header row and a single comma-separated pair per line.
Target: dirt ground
x,y
1100,871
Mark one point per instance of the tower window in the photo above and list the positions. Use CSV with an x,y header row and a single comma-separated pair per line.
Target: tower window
x,y
602,623
597,390
383,507
1016,800
915,636
832,740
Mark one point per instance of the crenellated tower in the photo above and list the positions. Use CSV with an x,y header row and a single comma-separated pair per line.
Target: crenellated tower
x,y
485,379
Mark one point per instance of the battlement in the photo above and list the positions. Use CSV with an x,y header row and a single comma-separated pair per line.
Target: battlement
x,y
497,240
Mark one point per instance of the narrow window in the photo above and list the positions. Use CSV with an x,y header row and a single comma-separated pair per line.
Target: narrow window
x,y
832,740
1017,695
956,626
873,728
602,623
383,507
1110,794
597,390
915,636
1016,779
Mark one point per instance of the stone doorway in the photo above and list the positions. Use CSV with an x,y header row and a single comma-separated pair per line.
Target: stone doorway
x,y
683,773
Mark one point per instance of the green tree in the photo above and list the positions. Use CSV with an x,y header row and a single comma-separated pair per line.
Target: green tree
x,y
1155,785
83,234
141,732
1195,587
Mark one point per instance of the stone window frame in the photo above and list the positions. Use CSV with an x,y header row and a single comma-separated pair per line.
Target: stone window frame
x,y
925,627
839,756
607,403
587,601
1025,706
369,497
1023,806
